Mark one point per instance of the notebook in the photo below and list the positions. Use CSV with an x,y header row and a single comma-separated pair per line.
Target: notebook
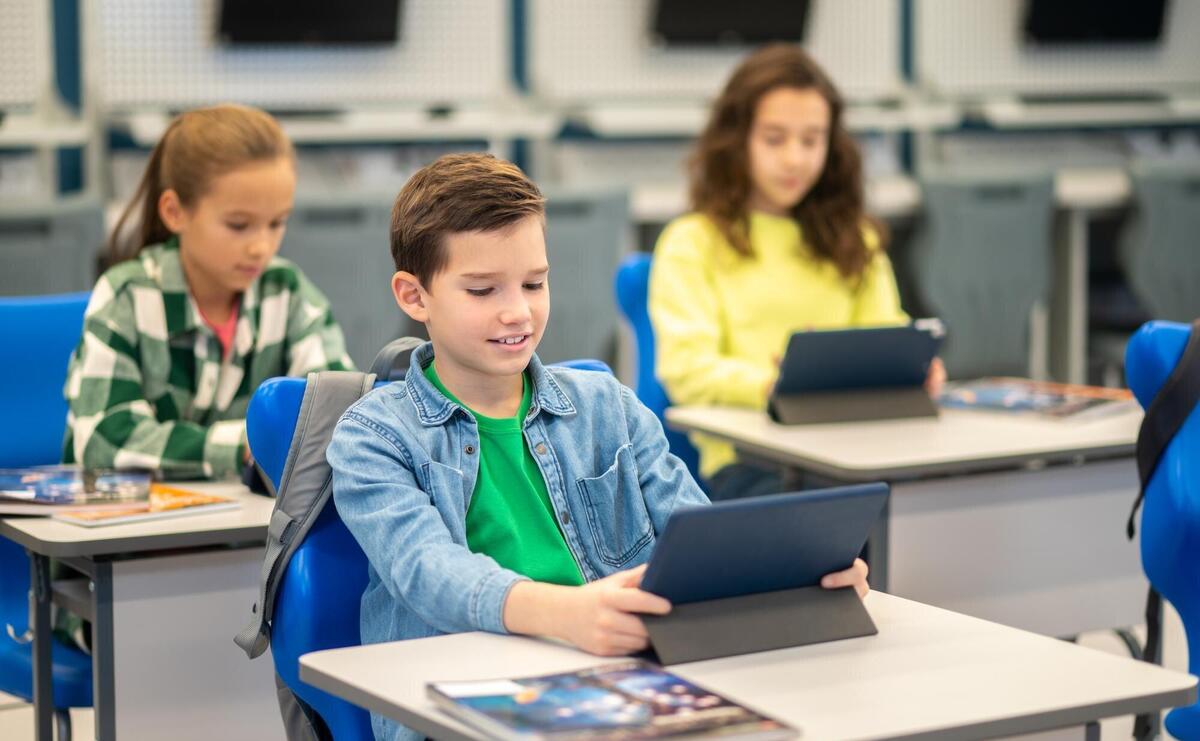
x,y
627,700
164,502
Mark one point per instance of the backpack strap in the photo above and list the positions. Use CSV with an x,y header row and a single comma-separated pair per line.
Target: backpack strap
x,y
392,361
1166,414
304,489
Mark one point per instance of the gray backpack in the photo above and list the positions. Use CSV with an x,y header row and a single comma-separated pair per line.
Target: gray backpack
x,y
305,485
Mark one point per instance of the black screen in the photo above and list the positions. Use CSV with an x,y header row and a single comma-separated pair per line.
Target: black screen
x,y
309,22
708,22
1094,21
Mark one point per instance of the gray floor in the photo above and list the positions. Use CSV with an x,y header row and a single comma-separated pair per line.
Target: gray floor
x,y
16,718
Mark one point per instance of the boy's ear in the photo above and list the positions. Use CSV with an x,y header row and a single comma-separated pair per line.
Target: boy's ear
x,y
171,211
409,295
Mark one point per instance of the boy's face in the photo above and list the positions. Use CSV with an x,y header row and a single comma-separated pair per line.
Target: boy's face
x,y
487,309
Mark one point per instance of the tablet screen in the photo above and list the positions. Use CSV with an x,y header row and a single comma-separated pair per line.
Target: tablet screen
x,y
876,357
762,544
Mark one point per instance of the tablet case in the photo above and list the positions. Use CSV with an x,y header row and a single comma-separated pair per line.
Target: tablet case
x,y
853,375
744,575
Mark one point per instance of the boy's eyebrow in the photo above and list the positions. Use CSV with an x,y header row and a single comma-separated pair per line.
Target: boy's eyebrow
x,y
485,276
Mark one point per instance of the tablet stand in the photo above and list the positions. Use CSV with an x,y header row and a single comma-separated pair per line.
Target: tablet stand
x,y
757,622
851,405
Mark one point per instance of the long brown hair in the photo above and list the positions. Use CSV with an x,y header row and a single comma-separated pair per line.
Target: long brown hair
x,y
197,147
831,214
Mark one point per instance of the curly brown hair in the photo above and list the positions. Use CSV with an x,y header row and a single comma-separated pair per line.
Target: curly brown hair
x,y
831,214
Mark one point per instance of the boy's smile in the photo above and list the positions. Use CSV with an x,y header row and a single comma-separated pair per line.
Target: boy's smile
x,y
485,310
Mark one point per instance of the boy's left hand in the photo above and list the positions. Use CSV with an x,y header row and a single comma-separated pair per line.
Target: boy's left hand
x,y
855,576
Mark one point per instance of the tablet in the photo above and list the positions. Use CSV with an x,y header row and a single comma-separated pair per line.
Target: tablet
x,y
762,544
867,358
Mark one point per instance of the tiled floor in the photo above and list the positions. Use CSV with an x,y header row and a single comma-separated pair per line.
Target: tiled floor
x,y
16,718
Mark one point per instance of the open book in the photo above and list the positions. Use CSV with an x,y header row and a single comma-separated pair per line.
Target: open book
x,y
48,490
628,700
163,502
1022,395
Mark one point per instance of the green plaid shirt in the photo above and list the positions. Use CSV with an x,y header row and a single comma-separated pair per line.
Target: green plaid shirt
x,y
147,386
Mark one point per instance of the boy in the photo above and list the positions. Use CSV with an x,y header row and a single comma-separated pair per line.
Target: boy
x,y
488,491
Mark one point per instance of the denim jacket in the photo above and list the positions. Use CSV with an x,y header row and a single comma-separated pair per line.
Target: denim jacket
x,y
405,460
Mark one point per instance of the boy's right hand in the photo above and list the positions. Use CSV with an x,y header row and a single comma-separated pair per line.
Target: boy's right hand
x,y
602,617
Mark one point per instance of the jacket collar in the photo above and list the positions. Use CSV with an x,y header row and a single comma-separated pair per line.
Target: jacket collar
x,y
434,409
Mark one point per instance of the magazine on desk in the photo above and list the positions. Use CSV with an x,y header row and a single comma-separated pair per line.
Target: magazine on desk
x,y
49,490
628,700
1043,398
164,502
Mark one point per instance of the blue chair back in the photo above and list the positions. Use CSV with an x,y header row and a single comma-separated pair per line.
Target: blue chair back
x,y
37,335
632,285
1170,529
317,606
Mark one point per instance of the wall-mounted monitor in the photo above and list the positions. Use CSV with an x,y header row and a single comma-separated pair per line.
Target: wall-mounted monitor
x,y
1083,22
721,22
320,22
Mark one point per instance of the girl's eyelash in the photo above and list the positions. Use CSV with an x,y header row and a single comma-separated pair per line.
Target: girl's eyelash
x,y
534,286
479,291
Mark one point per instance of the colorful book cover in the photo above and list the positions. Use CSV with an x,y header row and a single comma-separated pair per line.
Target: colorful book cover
x,y
163,502
629,700
1045,398
44,490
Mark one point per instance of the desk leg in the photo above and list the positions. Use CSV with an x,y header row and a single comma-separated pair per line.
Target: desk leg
x,y
43,663
103,695
1069,326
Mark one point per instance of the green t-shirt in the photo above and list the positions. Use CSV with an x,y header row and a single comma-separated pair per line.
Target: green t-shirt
x,y
511,518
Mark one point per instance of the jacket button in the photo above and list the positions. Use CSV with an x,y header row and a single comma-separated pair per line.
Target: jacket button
x,y
540,448
470,449
565,516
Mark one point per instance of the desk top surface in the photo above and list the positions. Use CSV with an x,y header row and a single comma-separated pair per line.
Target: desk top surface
x,y
245,524
959,441
929,673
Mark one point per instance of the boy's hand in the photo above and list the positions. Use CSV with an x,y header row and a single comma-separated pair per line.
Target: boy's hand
x,y
601,617
855,576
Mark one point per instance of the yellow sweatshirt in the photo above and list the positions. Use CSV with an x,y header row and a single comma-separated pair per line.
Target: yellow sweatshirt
x,y
722,321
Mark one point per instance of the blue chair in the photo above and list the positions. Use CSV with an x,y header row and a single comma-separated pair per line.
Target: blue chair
x,y
317,606
632,285
37,335
1170,531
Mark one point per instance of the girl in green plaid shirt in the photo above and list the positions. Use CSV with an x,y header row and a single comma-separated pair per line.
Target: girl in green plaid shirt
x,y
196,310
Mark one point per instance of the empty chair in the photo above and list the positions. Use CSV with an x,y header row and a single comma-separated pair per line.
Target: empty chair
x,y
37,335
586,233
631,284
49,247
341,244
1160,248
981,260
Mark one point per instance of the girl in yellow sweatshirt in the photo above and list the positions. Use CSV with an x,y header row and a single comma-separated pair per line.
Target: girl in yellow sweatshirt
x,y
778,241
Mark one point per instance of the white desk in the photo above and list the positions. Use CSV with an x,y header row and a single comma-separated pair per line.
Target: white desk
x,y
167,598
928,674
1011,519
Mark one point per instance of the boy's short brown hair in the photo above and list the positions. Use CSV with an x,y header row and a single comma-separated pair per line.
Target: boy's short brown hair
x,y
457,193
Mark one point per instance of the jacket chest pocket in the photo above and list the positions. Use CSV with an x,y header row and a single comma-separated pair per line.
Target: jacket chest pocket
x,y
616,513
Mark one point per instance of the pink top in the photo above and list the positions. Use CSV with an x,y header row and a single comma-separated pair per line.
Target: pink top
x,y
226,330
